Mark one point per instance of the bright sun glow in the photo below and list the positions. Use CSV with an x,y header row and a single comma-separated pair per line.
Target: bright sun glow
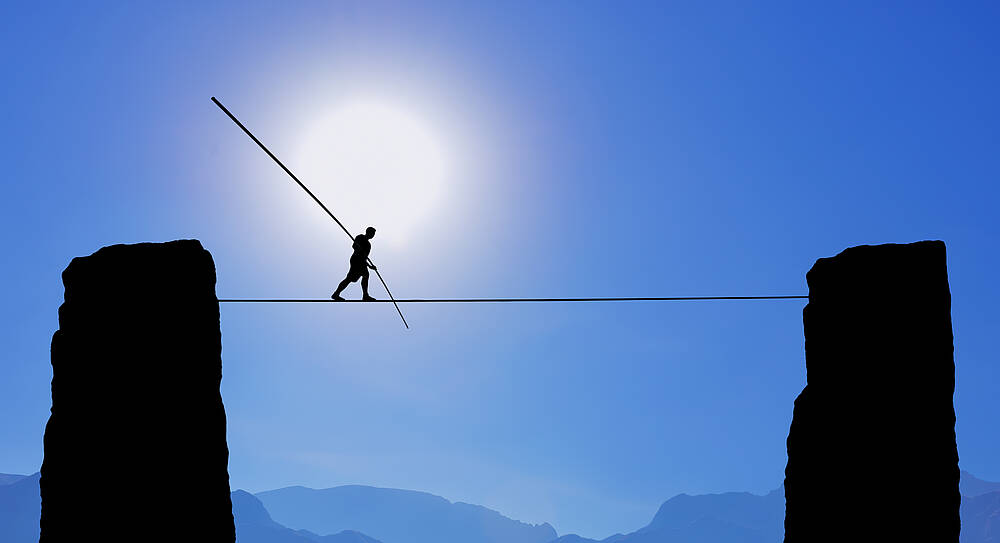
x,y
374,164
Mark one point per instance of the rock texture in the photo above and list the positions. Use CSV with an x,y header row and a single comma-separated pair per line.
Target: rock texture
x,y
136,369
876,416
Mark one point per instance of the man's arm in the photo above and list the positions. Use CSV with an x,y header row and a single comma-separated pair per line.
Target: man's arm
x,y
362,239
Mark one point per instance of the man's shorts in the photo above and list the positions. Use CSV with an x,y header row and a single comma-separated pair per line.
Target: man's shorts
x,y
357,271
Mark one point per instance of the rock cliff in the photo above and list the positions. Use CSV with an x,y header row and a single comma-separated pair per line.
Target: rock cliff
x,y
136,369
878,404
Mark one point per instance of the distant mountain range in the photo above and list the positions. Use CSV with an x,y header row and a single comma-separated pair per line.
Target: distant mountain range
x,y
20,508
362,514
970,486
733,516
6,479
254,525
397,516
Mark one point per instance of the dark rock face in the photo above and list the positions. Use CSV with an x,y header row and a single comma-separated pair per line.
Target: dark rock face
x,y
136,369
877,416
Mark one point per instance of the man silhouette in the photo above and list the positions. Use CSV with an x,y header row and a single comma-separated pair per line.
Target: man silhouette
x,y
359,266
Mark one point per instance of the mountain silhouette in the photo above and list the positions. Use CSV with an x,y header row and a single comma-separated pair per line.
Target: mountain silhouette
x,y
981,518
972,486
20,509
573,538
255,525
397,516
708,518
755,514
8,479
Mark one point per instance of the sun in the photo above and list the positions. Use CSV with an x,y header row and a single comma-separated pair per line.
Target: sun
x,y
375,164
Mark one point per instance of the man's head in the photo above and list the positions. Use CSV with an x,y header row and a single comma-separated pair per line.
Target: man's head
x,y
370,232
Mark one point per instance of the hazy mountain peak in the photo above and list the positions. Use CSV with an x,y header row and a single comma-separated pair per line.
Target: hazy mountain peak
x,y
724,514
249,510
972,486
706,518
397,516
10,478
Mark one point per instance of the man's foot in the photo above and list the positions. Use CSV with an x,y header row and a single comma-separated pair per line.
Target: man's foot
x,y
336,297
367,298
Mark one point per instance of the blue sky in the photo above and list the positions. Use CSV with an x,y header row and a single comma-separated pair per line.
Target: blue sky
x,y
592,149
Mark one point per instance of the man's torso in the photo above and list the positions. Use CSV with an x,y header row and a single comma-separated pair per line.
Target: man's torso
x,y
362,248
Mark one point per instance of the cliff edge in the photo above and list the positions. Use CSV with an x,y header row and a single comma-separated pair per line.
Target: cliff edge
x,y
136,370
876,418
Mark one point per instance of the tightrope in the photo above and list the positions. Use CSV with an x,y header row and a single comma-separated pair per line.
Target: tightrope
x,y
509,300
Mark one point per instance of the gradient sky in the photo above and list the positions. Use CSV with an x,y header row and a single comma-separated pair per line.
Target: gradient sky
x,y
601,149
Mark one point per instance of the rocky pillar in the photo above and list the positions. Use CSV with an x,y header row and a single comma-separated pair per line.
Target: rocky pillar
x,y
135,447
871,449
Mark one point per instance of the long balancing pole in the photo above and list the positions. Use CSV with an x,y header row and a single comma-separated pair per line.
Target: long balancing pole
x,y
313,196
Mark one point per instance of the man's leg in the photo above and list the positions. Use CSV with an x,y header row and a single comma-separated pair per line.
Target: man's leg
x,y
343,284
364,287
340,288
